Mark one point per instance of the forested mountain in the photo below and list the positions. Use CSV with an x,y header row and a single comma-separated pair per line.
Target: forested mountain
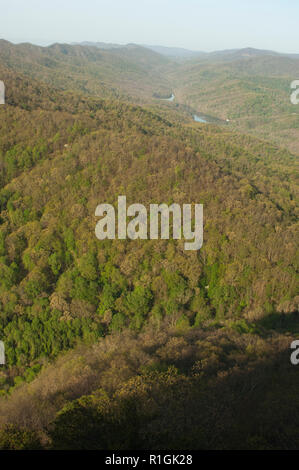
x,y
108,332
251,90
248,89
130,71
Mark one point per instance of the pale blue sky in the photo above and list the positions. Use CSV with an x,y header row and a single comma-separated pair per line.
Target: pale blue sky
x,y
194,24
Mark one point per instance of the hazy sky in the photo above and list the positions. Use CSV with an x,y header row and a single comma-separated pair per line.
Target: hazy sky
x,y
194,24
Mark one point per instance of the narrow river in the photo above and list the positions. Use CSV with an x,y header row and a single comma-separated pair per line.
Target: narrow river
x,y
199,119
168,99
195,116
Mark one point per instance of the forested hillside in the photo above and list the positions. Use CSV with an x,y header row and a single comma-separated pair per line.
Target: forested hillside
x,y
107,332
252,91
131,71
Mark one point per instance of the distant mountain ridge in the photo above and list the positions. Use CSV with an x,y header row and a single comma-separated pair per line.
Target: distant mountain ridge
x,y
176,52
182,53
248,87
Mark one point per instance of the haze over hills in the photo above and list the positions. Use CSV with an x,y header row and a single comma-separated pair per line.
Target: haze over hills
x,y
100,45
230,54
171,52
140,343
176,52
182,53
248,87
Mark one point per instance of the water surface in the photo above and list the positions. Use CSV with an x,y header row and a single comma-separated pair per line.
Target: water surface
x,y
199,118
168,99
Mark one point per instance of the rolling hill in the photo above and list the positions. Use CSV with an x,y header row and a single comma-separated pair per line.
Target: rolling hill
x,y
130,71
140,342
251,90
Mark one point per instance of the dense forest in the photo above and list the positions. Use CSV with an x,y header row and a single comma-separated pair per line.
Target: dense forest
x,y
141,344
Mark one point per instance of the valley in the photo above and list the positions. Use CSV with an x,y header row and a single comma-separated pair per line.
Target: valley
x,y
139,343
